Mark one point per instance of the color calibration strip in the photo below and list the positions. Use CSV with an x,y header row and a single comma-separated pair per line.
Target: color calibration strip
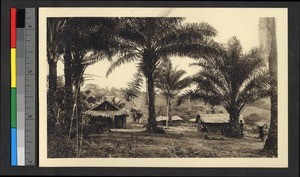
x,y
23,107
13,96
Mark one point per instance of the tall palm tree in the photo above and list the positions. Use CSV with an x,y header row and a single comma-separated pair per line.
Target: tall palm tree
x,y
81,36
231,80
170,83
76,30
269,49
55,30
92,40
149,40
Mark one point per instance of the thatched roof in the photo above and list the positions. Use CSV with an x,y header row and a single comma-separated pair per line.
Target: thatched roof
x,y
106,109
164,118
176,118
214,118
106,106
106,113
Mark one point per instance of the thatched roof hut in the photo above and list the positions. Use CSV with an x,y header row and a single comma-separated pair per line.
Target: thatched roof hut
x,y
164,118
106,109
175,120
108,112
214,122
214,118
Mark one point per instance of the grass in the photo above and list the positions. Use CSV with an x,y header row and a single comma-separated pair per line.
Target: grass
x,y
183,141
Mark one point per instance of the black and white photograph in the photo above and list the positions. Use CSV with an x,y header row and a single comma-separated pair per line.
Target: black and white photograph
x,y
198,87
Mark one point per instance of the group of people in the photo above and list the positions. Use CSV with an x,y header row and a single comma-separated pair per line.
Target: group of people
x,y
262,130
202,127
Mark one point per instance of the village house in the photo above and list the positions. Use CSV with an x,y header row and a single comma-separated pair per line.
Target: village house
x,y
214,122
162,120
108,115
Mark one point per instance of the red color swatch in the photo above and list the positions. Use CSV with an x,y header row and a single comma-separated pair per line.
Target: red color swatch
x,y
13,24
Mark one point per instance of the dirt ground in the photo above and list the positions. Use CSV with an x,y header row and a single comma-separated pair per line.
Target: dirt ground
x,y
182,141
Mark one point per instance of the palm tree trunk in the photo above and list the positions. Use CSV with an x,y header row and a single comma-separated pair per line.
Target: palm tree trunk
x,y
170,110
68,83
50,97
52,75
234,130
168,117
271,144
152,126
81,136
77,113
77,118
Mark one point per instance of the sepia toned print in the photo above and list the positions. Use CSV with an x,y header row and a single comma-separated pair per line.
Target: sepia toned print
x,y
163,87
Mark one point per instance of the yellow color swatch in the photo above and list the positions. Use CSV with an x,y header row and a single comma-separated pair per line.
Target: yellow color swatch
x,y
13,65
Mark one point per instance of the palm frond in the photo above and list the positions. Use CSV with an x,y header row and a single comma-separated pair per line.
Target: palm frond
x,y
133,89
209,84
193,95
212,79
169,81
92,57
200,49
126,58
231,79
255,87
234,49
189,33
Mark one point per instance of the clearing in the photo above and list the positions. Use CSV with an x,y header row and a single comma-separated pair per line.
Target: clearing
x,y
182,141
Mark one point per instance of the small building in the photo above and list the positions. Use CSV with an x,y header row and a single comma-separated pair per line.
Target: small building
x,y
213,122
175,120
108,115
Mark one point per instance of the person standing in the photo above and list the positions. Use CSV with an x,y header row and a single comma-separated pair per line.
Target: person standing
x,y
241,128
198,122
261,133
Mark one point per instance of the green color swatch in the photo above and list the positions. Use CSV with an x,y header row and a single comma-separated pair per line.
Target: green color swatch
x,y
13,108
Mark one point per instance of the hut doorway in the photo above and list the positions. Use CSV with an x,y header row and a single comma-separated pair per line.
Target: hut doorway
x,y
120,121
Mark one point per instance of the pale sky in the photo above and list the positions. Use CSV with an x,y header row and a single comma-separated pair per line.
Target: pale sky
x,y
229,23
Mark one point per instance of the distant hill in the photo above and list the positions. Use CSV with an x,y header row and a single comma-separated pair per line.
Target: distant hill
x,y
264,103
258,113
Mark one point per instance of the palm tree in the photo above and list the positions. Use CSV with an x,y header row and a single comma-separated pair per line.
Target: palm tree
x,y
232,80
82,36
55,30
63,33
170,83
269,48
136,114
149,40
91,40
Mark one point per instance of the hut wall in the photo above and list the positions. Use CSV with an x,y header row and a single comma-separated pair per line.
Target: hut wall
x,y
170,123
175,122
120,121
215,127
100,123
161,123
